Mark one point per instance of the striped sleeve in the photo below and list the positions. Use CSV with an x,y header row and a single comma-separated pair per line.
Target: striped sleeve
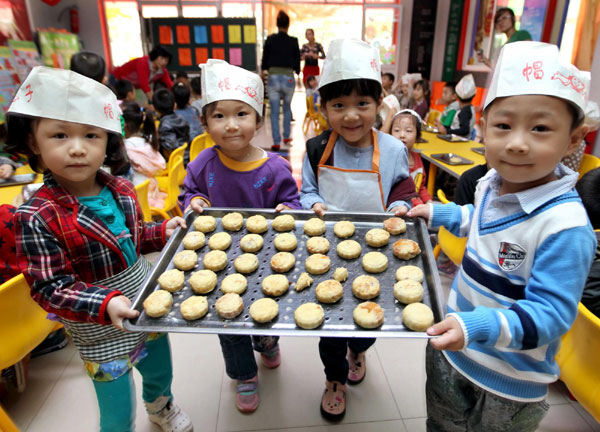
x,y
455,218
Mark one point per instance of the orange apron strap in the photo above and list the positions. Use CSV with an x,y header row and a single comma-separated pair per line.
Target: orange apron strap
x,y
329,148
376,152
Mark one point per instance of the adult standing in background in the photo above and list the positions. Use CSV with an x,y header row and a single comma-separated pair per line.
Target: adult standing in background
x,y
281,58
505,21
311,52
143,71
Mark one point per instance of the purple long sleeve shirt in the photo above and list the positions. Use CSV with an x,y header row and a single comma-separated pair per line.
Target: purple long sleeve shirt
x,y
224,182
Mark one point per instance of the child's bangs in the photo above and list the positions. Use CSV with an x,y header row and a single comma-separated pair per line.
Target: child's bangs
x,y
363,87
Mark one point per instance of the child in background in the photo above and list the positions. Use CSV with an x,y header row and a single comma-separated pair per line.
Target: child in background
x,y
173,130
124,91
452,107
141,142
80,239
421,96
89,64
235,173
7,167
387,81
529,249
402,91
464,120
182,77
191,115
352,168
196,97
406,126
312,91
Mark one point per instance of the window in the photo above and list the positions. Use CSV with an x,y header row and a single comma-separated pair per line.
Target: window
x,y
199,11
123,31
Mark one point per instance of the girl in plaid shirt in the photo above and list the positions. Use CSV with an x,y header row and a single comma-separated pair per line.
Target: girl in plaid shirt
x,y
80,241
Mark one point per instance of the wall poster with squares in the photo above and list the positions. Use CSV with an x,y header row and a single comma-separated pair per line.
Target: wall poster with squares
x,y
192,41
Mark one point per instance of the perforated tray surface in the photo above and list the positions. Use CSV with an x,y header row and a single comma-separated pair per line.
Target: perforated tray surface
x,y
452,159
18,179
452,138
338,317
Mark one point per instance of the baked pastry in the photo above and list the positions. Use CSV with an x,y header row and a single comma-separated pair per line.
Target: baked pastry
x,y
377,237
344,229
285,242
349,249
329,291
215,260
233,221
283,223
257,224
408,291
203,281
246,263
234,283
417,317
406,249
304,281
374,262
275,285
368,315
314,227
219,241
317,264
282,262
264,310
455,159
309,316
394,225
194,240
251,243
409,272
172,280
317,245
365,287
229,306
194,307
185,260
205,224
158,303
340,274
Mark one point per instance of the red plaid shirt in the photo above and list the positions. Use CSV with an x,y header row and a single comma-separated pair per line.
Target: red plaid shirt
x,y
63,248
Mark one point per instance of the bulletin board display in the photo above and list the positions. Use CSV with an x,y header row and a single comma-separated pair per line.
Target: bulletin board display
x,y
192,41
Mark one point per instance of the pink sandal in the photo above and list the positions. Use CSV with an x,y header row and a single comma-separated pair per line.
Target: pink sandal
x,y
358,367
333,401
246,399
272,358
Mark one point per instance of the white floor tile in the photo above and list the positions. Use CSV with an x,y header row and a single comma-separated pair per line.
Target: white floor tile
x,y
291,394
563,418
415,424
403,362
557,394
384,426
587,417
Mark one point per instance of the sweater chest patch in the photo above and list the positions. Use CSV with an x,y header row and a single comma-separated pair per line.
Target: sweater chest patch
x,y
510,256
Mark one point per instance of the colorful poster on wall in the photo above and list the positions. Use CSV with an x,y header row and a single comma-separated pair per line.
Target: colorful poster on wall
x,y
58,48
25,55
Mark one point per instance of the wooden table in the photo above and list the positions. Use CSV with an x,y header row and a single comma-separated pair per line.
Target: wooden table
x,y
9,194
435,145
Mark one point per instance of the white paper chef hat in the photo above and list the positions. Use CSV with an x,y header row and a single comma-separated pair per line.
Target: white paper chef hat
x,y
408,111
65,95
222,81
389,102
466,88
350,59
535,68
592,115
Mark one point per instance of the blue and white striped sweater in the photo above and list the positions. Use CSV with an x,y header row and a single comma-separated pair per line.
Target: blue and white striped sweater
x,y
517,290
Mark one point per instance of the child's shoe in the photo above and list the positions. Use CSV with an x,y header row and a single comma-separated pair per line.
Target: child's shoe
x,y
272,358
246,399
333,401
275,147
358,367
170,418
288,141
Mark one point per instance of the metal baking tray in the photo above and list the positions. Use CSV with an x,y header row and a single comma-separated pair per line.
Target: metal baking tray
x,y
18,180
452,159
480,150
428,128
338,316
453,138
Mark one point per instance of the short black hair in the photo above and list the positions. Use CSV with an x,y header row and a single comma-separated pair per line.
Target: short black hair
x,y
157,85
164,101
283,20
362,86
502,10
196,85
389,75
451,85
160,51
588,188
89,64
122,88
182,74
181,92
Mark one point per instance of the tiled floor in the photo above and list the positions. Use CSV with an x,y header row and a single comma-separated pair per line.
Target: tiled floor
x,y
60,397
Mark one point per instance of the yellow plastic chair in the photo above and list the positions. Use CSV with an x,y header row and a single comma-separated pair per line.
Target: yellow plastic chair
x,y
23,326
172,190
200,143
453,246
147,211
161,178
432,117
313,117
588,163
578,360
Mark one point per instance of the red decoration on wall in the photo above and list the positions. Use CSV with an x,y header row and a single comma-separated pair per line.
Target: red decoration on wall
x,y
51,2
17,22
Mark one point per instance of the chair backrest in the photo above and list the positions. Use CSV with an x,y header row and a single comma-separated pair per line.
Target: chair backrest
x,y
173,187
141,191
178,152
453,246
432,116
23,323
578,360
588,163
201,142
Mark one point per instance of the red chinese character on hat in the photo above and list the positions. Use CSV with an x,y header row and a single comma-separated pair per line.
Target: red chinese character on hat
x,y
248,91
108,112
374,65
224,84
538,73
527,70
571,80
29,92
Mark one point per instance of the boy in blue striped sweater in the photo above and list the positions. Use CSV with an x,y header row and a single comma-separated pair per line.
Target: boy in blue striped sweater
x,y
529,249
